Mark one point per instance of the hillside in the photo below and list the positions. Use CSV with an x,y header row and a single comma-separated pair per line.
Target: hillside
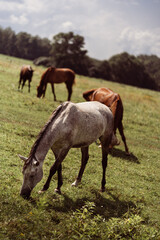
x,y
128,209
140,71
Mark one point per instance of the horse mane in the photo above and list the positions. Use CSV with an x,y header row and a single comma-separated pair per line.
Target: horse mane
x,y
41,134
45,75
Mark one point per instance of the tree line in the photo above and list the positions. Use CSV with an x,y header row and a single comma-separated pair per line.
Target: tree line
x,y
23,45
68,50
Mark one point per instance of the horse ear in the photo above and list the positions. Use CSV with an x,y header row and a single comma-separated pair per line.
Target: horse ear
x,y
22,158
53,68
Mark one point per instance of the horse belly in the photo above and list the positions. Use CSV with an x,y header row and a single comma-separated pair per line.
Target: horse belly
x,y
58,79
60,75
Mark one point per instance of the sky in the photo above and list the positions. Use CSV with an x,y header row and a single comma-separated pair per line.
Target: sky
x,y
109,27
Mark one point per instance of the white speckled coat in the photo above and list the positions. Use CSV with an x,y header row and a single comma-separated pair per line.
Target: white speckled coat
x,y
71,125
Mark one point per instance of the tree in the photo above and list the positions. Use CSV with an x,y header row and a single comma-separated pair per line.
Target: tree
x,y
7,41
151,64
105,70
22,43
68,51
128,69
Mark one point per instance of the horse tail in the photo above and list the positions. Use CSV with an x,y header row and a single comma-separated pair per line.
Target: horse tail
x,y
88,94
70,77
74,79
117,111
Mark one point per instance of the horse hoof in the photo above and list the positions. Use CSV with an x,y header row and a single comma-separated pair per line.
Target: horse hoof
x,y
75,183
41,191
102,190
128,154
57,191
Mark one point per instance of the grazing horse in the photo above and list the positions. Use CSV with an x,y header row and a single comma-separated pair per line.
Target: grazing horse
x,y
112,100
26,73
71,125
56,75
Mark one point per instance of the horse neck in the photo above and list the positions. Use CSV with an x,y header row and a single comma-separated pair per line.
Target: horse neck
x,y
44,145
43,78
47,137
42,82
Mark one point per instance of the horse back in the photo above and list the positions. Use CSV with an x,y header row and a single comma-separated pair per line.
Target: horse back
x,y
57,75
85,123
94,120
110,99
26,72
105,96
64,75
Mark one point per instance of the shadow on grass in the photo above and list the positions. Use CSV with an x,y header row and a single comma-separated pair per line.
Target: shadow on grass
x,y
112,207
106,207
119,153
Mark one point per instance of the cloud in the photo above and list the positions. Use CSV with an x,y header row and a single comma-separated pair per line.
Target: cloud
x,y
35,6
108,26
138,41
67,25
9,6
22,19
126,2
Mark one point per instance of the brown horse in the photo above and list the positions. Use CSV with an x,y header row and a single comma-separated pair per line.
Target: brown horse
x,y
26,73
72,125
56,75
112,100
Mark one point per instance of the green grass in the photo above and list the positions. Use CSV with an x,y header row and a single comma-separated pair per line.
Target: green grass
x,y
130,207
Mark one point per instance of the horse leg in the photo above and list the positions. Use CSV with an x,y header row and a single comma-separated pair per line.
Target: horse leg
x,y
104,166
60,180
24,80
29,85
84,160
44,91
105,150
56,166
53,92
120,128
20,80
69,88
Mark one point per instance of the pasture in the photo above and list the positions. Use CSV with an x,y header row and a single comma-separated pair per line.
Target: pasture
x,y
130,206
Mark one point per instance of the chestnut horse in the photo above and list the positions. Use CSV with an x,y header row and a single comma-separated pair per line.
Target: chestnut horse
x,y
56,75
71,125
112,100
26,73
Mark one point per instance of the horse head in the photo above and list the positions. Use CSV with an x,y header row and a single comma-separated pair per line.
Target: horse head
x,y
88,95
32,174
40,91
52,69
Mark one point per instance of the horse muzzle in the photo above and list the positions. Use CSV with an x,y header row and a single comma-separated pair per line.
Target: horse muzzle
x,y
25,193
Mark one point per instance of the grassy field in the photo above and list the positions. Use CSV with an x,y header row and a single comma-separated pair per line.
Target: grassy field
x,y
130,207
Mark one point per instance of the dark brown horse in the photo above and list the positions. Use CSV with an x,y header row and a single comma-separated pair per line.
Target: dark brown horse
x,y
26,73
112,100
56,75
